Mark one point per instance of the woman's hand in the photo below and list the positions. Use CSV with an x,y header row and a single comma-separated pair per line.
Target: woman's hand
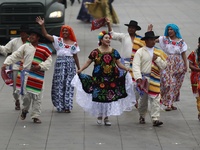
x,y
127,69
78,71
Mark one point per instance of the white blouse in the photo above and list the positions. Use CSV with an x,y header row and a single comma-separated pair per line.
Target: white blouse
x,y
64,49
172,47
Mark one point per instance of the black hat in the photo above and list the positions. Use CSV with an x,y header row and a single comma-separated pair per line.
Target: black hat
x,y
133,23
149,34
24,28
36,31
199,39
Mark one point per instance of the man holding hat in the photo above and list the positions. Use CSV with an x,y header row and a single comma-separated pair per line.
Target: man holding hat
x,y
10,47
130,41
147,64
36,60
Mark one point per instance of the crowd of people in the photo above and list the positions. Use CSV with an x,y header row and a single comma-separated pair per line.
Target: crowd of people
x,y
135,75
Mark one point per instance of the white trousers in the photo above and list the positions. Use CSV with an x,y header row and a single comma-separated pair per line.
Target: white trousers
x,y
155,106
35,100
30,98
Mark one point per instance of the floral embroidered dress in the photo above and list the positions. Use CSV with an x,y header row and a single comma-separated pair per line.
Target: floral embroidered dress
x,y
64,70
104,93
195,76
172,77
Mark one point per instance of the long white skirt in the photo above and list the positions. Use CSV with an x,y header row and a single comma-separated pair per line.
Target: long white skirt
x,y
97,109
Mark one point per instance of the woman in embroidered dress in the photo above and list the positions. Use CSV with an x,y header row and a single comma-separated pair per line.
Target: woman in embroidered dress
x,y
172,77
64,70
194,64
107,93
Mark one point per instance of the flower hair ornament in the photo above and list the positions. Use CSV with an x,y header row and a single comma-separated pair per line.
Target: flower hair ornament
x,y
101,35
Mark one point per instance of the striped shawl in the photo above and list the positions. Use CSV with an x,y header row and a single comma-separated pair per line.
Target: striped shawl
x,y
154,81
35,78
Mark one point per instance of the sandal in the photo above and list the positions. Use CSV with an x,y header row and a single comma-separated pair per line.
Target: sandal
x,y
67,111
99,120
23,114
37,120
168,109
107,122
136,105
17,105
173,107
142,120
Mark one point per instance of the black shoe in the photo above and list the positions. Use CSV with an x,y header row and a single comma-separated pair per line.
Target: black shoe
x,y
23,114
17,105
142,120
37,120
199,117
157,123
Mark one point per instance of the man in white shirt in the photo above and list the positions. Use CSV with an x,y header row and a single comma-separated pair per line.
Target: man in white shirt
x,y
10,47
36,60
130,43
147,64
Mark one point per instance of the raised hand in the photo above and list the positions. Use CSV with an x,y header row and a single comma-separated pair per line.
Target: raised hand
x,y
150,27
39,20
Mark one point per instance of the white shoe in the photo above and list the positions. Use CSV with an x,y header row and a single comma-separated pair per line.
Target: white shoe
x,y
107,122
99,122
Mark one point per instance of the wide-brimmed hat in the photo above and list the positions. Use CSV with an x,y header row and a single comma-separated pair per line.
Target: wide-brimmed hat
x,y
36,31
148,35
133,23
24,28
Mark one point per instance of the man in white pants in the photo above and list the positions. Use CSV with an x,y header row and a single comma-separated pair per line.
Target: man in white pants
x,y
147,63
36,60
10,47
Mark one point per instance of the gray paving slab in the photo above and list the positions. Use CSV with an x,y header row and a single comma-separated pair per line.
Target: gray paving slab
x,y
78,130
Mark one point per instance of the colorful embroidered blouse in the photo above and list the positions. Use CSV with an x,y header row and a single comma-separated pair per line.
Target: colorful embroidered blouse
x,y
105,84
172,47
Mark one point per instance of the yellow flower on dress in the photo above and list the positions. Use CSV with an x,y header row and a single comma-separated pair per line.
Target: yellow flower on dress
x,y
98,60
107,69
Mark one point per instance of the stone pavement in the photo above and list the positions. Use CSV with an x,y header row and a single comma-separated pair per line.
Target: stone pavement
x,y
78,130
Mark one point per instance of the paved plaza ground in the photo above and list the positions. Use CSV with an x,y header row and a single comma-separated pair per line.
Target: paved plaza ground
x,y
78,130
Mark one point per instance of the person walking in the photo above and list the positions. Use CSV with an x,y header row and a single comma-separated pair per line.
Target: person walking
x,y
36,60
173,75
147,65
130,43
104,93
194,65
11,47
64,69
